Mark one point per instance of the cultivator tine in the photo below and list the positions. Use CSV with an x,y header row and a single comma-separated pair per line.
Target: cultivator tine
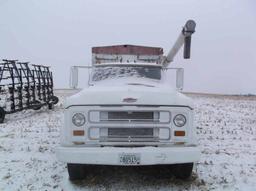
x,y
40,83
44,78
22,88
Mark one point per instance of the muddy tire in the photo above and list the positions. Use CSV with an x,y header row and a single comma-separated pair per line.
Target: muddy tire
x,y
50,106
2,115
55,100
76,171
37,105
182,171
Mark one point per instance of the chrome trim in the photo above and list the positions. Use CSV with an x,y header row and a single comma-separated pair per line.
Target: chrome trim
x,y
130,122
133,140
155,137
89,133
169,129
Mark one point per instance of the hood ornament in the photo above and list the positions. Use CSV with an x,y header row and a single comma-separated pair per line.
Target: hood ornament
x,y
129,100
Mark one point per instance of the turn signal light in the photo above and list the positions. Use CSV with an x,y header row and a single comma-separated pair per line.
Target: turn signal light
x,y
78,132
179,133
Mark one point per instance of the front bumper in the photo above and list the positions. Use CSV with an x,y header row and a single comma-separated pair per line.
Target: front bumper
x,y
110,155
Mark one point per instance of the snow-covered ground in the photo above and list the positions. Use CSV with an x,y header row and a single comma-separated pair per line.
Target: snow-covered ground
x,y
226,128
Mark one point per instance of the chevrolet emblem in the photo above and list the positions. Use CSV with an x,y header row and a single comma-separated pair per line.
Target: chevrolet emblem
x,y
129,100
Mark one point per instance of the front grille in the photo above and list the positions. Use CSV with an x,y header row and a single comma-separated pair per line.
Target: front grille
x,y
128,126
130,132
129,116
113,115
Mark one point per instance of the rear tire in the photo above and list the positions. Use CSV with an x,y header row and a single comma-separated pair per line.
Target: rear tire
x,y
182,171
2,115
76,171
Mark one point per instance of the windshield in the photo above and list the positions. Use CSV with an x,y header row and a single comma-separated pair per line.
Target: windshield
x,y
110,72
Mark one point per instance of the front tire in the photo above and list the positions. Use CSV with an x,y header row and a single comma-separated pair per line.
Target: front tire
x,y
182,171
76,171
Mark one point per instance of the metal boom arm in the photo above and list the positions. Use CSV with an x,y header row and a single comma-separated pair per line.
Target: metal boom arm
x,y
184,38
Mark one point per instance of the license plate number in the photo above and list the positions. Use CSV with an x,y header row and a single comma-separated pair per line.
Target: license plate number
x,y
129,159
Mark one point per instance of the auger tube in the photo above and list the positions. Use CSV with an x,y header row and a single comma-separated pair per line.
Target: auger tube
x,y
184,38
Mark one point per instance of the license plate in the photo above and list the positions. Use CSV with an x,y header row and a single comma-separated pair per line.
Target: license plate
x,y
129,159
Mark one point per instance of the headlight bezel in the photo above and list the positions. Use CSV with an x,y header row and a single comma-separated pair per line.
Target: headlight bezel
x,y
82,118
175,120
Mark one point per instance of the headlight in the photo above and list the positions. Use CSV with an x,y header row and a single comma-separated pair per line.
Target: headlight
x,y
78,119
179,120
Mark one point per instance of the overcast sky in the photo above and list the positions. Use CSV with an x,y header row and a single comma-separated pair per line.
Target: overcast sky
x,y
60,33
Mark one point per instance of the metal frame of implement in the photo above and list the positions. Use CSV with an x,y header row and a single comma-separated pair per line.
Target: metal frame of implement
x,y
24,88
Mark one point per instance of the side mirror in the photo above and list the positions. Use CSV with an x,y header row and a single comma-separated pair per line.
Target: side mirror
x,y
73,83
179,78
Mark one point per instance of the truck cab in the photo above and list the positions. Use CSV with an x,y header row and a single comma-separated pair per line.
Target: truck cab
x,y
128,115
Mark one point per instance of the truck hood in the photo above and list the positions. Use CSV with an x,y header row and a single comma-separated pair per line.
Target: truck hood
x,y
129,94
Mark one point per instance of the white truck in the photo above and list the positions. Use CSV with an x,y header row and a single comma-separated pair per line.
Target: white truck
x,y
127,115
